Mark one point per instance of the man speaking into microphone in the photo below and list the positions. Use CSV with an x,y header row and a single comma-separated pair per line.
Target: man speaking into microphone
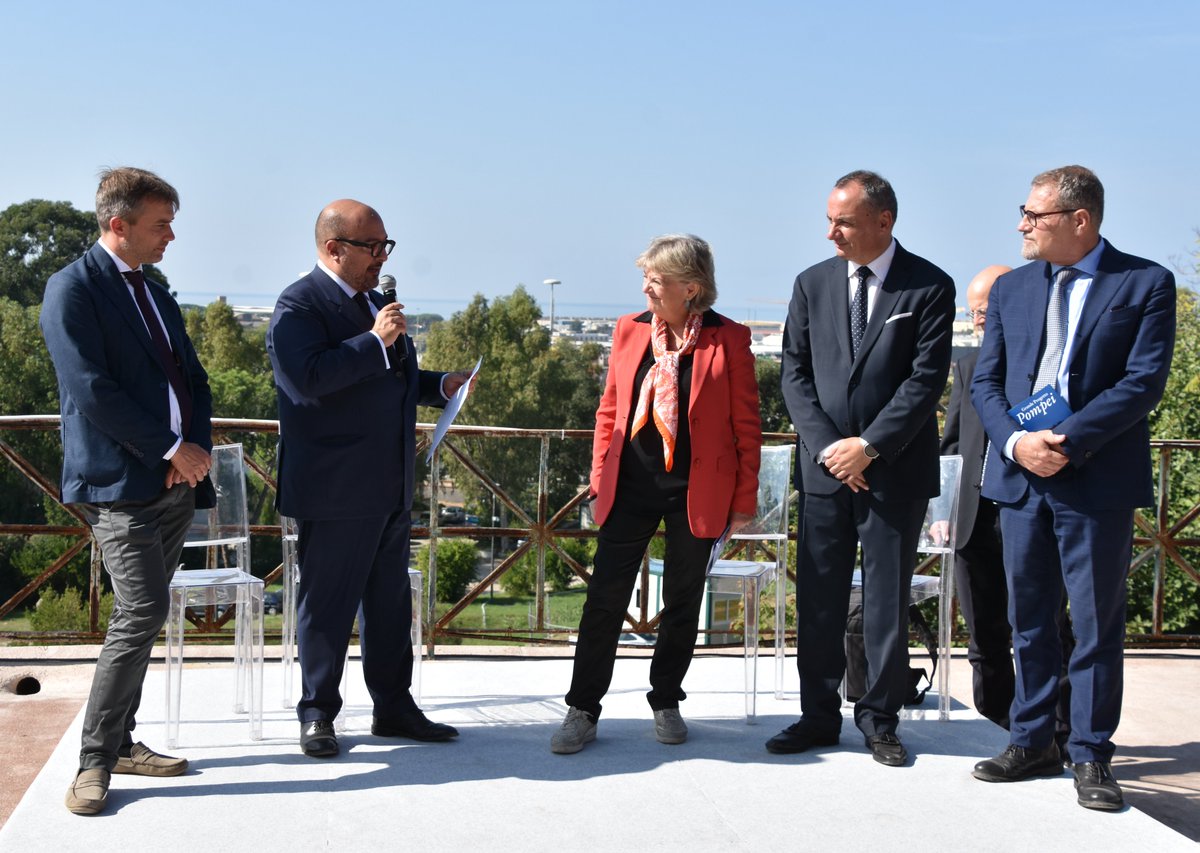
x,y
348,388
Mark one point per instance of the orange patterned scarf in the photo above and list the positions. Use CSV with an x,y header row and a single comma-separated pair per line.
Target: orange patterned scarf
x,y
660,389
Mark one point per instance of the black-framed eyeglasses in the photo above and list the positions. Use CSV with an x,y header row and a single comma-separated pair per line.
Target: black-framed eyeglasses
x,y
1035,218
376,248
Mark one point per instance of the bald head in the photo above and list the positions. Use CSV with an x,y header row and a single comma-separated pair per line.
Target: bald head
x,y
341,218
350,242
977,293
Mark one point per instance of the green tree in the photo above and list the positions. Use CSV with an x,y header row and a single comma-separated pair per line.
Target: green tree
x,y
38,238
524,382
773,410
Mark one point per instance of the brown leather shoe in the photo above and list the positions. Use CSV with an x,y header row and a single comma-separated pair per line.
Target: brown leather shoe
x,y
88,793
143,761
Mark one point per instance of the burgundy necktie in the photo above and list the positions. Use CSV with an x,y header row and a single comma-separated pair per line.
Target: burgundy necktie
x,y
166,359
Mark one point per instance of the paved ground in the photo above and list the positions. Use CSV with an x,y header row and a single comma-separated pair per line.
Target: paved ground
x,y
1158,761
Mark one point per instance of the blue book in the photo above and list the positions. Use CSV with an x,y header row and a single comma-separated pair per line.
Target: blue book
x,y
1044,410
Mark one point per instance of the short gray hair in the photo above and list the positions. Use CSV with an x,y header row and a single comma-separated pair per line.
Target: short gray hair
x,y
876,189
1078,189
123,189
685,257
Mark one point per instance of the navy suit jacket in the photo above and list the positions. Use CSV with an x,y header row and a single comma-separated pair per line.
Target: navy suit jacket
x,y
112,391
889,393
347,439
1119,362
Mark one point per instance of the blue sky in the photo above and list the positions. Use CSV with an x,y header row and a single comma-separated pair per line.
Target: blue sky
x,y
510,142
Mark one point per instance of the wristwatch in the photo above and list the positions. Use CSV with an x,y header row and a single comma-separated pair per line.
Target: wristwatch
x,y
869,451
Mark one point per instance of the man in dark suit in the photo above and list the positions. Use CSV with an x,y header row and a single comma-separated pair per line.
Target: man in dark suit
x,y
1098,327
865,356
979,551
349,387
136,436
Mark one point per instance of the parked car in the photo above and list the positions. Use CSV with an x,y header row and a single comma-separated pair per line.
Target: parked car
x,y
273,601
452,515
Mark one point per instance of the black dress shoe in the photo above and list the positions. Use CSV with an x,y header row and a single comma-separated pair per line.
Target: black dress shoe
x,y
1018,762
799,737
317,739
887,749
413,725
1096,787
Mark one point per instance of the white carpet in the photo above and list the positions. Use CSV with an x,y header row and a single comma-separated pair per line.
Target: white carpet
x,y
499,788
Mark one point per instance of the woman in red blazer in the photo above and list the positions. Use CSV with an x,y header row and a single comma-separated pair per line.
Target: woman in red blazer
x,y
677,441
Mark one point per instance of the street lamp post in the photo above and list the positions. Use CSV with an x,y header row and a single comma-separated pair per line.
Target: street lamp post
x,y
552,283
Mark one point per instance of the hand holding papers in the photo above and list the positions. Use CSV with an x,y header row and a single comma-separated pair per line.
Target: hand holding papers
x,y
451,411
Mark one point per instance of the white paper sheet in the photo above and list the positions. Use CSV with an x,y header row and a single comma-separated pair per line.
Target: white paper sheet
x,y
451,411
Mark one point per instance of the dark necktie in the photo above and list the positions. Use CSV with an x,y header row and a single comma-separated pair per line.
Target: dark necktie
x,y
367,320
858,311
162,350
1056,331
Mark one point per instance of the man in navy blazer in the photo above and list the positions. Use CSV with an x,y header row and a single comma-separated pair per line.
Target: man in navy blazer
x,y
348,388
1098,326
136,436
866,351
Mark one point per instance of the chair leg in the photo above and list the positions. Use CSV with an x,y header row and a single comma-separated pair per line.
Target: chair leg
x,y
174,679
750,645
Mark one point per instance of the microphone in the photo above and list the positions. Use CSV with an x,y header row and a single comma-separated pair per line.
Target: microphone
x,y
387,287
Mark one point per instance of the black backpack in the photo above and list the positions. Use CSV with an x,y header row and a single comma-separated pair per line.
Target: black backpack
x,y
856,652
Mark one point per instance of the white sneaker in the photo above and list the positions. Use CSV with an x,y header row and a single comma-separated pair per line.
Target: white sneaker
x,y
669,726
576,731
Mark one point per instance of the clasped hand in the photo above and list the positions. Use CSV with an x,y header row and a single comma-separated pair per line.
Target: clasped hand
x,y
189,465
1041,452
847,460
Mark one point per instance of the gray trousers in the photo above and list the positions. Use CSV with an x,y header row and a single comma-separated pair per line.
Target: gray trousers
x,y
141,542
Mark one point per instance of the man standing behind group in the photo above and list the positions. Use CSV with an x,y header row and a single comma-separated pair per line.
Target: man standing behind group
x,y
979,550
865,356
348,388
136,434
1098,327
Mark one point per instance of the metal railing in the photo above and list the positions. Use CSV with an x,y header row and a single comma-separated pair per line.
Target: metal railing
x,y
1160,537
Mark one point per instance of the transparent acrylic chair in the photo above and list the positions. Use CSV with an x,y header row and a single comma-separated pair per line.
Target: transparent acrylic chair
x,y
768,530
224,532
290,537
938,539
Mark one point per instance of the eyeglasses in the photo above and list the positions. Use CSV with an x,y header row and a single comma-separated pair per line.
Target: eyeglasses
x,y
1035,218
972,313
376,248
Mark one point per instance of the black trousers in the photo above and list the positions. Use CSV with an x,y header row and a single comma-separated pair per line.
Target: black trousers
x,y
351,567
831,528
983,601
619,549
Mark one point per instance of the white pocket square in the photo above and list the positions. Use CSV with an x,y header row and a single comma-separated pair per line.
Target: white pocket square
x,y
895,317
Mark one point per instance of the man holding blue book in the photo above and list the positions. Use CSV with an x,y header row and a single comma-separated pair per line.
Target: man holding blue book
x,y
1076,355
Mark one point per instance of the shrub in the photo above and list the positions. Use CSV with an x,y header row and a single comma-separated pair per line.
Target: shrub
x,y
67,611
521,579
456,567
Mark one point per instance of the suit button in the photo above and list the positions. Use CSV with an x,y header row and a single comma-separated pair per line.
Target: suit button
x,y
1087,454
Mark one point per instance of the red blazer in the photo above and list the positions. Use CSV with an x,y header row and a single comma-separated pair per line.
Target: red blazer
x,y
726,433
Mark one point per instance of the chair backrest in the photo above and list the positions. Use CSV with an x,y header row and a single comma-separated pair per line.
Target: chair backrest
x,y
226,526
774,489
938,534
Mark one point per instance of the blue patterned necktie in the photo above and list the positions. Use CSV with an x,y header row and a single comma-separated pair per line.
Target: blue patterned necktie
x,y
858,311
